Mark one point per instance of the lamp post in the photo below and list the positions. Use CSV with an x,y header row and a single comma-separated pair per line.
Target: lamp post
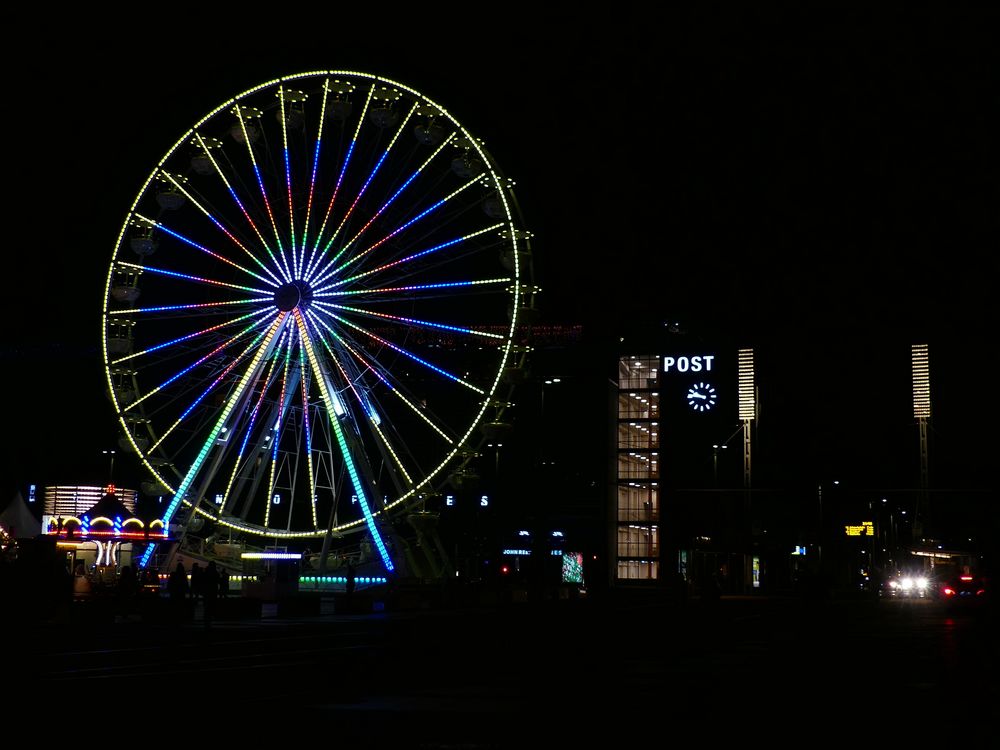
x,y
715,463
821,536
111,469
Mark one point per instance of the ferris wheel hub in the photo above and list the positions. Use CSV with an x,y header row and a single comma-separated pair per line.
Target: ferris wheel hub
x,y
297,293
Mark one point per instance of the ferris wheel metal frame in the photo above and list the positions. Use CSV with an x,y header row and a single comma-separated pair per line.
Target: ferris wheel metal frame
x,y
366,292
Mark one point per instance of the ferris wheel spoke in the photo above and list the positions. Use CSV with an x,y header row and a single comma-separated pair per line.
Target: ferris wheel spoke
x,y
282,409
246,214
304,381
315,170
252,420
359,488
208,214
288,179
364,187
385,205
193,306
326,273
187,412
340,180
193,471
373,421
263,192
202,332
198,279
385,378
433,288
405,353
409,321
401,261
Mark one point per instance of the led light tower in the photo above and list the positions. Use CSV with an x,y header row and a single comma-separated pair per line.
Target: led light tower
x,y
920,362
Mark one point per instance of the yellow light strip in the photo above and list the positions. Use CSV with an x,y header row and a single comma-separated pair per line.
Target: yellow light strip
x,y
746,387
414,407
921,381
253,224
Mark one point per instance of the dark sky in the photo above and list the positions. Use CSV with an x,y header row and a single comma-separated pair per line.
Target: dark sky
x,y
823,187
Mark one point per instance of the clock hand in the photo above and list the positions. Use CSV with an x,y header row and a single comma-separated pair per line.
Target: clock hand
x,y
698,395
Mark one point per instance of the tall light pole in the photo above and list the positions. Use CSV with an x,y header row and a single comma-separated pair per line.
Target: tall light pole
x,y
111,469
920,362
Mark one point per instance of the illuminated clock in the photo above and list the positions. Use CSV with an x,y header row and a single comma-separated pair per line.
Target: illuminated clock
x,y
701,396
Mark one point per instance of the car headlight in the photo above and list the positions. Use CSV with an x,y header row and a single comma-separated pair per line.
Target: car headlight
x,y
906,584
893,584
922,583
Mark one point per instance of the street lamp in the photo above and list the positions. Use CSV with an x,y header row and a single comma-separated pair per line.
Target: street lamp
x,y
715,462
111,470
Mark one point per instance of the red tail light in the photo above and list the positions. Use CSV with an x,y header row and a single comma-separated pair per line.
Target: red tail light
x,y
965,578
949,591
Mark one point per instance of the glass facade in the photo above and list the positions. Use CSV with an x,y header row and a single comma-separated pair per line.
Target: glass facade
x,y
638,469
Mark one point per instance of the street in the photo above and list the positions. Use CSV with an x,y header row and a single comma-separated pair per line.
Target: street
x,y
492,677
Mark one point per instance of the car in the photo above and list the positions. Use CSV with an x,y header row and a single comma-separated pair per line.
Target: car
x,y
963,589
907,586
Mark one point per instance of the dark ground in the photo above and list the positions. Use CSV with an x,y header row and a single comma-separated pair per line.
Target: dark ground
x,y
511,676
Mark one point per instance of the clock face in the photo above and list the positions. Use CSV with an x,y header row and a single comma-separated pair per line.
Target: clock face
x,y
701,397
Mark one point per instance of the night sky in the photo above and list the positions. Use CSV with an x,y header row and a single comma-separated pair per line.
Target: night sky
x,y
823,188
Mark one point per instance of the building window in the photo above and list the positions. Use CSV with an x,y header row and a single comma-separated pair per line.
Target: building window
x,y
638,541
631,570
638,435
639,372
635,465
638,405
638,502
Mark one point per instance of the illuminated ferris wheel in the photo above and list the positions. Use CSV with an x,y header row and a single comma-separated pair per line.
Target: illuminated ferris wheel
x,y
314,308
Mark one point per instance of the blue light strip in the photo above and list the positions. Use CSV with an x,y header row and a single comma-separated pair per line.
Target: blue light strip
x,y
312,255
374,366
193,306
359,488
273,281
410,321
270,213
305,421
218,379
323,275
312,181
163,271
411,288
253,414
185,485
404,352
288,178
202,332
222,176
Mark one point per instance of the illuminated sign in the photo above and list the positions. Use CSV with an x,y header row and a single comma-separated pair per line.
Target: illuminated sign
x,y
517,552
799,551
449,499
31,493
484,501
865,529
700,363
